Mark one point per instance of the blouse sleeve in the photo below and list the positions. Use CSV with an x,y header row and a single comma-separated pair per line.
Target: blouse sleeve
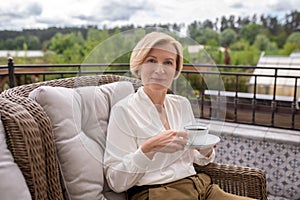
x,y
124,162
198,157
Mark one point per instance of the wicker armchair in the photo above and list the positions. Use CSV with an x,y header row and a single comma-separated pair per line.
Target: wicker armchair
x,y
30,139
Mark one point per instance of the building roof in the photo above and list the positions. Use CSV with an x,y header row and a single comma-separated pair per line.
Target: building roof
x,y
249,95
295,54
288,63
195,48
21,53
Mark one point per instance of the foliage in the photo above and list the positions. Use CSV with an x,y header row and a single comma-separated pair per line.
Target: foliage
x,y
32,42
263,43
227,37
294,38
208,36
292,44
68,45
250,31
240,45
244,37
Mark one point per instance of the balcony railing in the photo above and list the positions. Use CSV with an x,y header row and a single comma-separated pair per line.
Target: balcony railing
x,y
222,92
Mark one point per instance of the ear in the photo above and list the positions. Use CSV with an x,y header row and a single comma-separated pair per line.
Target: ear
x,y
176,75
137,73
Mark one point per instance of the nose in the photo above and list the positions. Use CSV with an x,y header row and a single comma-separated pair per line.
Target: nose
x,y
159,68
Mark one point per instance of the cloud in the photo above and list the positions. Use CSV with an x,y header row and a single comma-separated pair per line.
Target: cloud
x,y
113,12
51,21
9,15
18,10
34,8
237,5
123,9
86,17
20,14
281,6
17,14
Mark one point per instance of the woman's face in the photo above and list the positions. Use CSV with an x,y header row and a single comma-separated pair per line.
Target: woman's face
x,y
159,67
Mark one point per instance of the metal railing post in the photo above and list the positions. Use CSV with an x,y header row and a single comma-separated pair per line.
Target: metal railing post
x,y
236,98
254,101
79,70
11,72
274,103
294,104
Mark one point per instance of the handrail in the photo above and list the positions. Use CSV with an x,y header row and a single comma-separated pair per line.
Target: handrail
x,y
267,112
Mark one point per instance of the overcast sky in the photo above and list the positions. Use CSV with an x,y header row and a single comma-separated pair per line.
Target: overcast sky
x,y
20,14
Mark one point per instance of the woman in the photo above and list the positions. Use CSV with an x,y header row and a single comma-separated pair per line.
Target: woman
x,y
145,151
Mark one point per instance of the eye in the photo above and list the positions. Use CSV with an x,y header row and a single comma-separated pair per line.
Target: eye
x,y
168,62
151,60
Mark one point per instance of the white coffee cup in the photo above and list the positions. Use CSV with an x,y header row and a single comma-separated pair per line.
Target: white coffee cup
x,y
197,134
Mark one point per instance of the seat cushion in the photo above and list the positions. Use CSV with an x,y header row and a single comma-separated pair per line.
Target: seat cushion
x,y
12,184
79,119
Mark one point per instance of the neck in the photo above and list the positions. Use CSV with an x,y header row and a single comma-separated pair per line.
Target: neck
x,y
157,96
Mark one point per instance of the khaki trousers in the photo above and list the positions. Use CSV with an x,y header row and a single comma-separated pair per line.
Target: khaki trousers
x,y
196,187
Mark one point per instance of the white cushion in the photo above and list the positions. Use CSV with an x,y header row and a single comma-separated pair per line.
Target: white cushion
x,y
79,118
12,182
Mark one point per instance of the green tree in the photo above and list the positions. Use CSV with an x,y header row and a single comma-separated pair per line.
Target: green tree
x,y
33,42
250,31
242,22
263,43
10,44
18,43
280,37
227,37
207,35
292,22
193,29
94,37
294,38
240,45
68,46
208,24
249,56
292,43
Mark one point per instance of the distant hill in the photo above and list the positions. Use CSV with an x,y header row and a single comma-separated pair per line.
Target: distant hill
x,y
42,34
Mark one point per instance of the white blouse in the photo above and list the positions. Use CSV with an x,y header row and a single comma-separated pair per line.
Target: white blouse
x,y
135,119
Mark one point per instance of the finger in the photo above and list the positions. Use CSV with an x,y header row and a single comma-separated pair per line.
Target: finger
x,y
171,148
181,146
177,147
182,134
181,141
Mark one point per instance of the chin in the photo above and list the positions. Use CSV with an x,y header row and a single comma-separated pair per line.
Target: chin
x,y
158,87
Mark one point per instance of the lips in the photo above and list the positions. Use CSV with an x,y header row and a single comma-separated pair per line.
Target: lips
x,y
157,79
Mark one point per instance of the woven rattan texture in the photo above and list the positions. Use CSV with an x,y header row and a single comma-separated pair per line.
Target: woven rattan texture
x,y
24,141
48,152
233,179
51,167
75,82
238,180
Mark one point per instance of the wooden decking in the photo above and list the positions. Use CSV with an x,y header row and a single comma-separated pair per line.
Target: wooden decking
x,y
263,116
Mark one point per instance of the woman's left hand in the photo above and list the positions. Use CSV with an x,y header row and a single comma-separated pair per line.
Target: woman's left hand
x,y
206,151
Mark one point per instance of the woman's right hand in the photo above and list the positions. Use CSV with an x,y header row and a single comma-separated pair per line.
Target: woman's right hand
x,y
168,141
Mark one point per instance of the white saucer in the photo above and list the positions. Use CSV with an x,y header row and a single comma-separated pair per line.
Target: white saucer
x,y
210,141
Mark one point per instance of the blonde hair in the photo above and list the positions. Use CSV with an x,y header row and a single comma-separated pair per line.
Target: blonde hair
x,y
144,46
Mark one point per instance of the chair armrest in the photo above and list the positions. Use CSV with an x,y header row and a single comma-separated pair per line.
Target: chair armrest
x,y
23,140
22,122
243,181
